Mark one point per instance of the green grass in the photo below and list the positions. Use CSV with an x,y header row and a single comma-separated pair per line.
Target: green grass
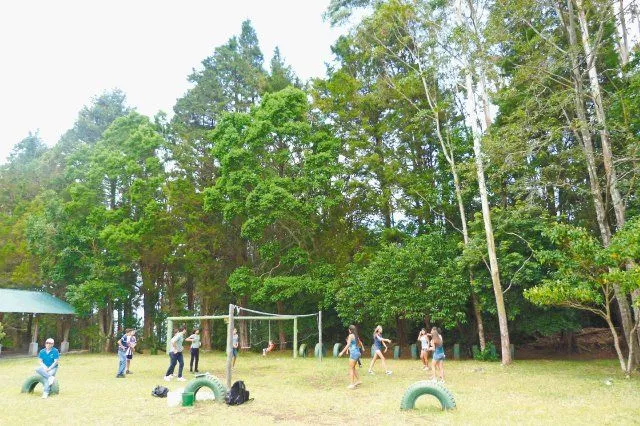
x,y
304,391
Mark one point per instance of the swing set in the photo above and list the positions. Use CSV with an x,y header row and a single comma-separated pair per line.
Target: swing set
x,y
234,315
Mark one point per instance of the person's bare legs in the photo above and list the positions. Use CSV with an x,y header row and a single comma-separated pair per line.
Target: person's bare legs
x,y
384,362
434,365
373,361
355,374
352,372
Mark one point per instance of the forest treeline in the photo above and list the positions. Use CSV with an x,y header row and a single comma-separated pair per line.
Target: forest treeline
x,y
467,164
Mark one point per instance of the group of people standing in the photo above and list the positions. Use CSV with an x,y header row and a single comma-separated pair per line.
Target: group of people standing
x,y
430,342
175,354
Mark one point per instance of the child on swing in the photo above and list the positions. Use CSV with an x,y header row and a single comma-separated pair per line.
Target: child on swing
x,y
269,348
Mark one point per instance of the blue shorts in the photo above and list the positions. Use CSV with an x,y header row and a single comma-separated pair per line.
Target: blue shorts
x,y
438,356
354,355
234,352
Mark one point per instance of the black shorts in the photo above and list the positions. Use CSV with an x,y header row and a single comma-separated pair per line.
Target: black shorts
x,y
129,356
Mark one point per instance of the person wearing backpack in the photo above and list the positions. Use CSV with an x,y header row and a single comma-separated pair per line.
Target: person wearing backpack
x,y
175,355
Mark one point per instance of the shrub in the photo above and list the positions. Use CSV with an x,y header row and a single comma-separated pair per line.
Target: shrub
x,y
489,353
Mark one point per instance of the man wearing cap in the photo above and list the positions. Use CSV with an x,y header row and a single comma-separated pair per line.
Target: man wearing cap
x,y
48,357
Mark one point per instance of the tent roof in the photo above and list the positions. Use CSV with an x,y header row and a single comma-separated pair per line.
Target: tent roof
x,y
35,302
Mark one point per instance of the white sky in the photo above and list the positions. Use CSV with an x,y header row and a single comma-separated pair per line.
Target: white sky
x,y
56,55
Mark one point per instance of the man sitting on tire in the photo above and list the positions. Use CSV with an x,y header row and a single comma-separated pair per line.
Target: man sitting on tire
x,y
48,357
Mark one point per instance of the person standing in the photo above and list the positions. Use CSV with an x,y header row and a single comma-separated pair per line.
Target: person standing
x,y
423,338
123,346
49,358
132,345
234,349
175,355
194,350
354,356
378,343
437,362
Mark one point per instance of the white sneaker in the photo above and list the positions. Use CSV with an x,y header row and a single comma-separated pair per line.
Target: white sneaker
x,y
45,395
52,380
182,379
352,386
370,372
388,372
168,378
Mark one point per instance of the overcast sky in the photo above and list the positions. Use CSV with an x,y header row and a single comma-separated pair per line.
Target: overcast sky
x,y
57,55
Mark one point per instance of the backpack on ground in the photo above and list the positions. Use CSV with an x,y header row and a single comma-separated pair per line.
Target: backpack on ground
x,y
238,394
160,391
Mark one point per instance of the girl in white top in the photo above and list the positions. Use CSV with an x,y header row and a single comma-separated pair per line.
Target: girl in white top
x,y
423,338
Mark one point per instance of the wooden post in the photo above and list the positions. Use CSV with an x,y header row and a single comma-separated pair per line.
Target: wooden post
x,y
169,334
320,333
229,345
295,337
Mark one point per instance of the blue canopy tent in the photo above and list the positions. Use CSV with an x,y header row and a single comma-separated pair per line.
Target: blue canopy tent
x,y
35,302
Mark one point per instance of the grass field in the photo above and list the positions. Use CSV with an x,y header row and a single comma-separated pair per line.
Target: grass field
x,y
305,391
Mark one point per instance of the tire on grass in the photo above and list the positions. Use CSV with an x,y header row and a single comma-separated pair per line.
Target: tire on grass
x,y
418,389
302,351
320,347
218,389
30,384
336,349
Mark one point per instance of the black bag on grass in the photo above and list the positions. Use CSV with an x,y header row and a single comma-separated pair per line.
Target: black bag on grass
x,y
238,394
160,391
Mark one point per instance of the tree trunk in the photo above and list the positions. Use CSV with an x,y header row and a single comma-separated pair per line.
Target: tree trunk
x,y
616,341
150,300
29,325
205,325
621,27
583,132
488,227
449,156
478,315
190,289
607,156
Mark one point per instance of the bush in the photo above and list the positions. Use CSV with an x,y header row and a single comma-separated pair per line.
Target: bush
x,y
489,353
2,333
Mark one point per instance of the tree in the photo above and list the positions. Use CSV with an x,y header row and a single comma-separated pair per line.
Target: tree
x,y
582,278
